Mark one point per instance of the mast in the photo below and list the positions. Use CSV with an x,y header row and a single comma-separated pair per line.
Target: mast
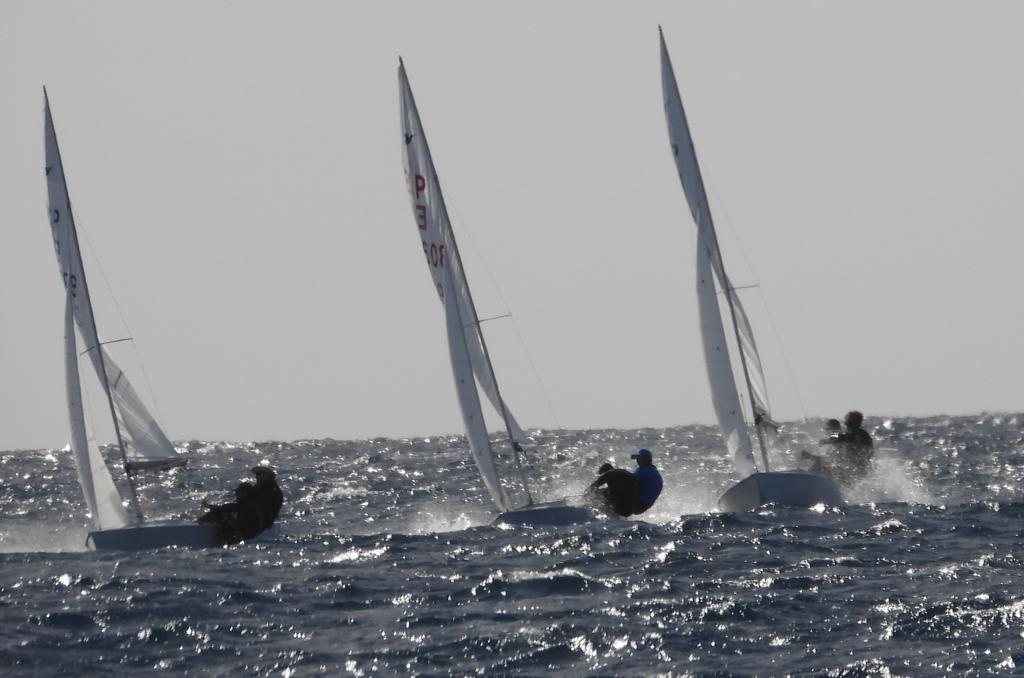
x,y
502,409
95,334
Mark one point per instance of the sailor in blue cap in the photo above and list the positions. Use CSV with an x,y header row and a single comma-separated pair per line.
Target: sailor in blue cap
x,y
648,480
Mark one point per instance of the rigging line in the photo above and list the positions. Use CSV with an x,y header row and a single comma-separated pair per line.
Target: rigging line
x,y
135,345
782,352
515,325
764,299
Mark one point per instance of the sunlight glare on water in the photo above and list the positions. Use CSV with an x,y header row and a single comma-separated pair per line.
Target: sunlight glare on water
x,y
386,562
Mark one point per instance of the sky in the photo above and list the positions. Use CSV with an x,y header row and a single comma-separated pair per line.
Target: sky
x,y
236,173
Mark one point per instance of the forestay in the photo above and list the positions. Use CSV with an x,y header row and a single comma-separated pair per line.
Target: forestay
x,y
725,396
149,445
467,351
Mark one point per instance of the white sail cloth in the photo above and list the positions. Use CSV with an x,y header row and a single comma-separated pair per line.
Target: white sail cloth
x,y
101,495
469,399
148,445
468,357
720,374
758,385
724,397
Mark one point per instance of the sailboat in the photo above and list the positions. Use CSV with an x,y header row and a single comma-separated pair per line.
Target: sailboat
x,y
141,442
467,348
758,485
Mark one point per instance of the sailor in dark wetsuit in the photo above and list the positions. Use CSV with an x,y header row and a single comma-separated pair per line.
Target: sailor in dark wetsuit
x,y
239,520
268,494
628,493
615,489
854,449
254,509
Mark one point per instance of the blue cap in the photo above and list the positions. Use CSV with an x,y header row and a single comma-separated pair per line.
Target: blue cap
x,y
642,452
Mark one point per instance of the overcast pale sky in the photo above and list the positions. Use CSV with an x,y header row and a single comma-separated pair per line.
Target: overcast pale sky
x,y
236,168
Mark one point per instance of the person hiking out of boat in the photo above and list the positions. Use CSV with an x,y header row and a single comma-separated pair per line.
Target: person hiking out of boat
x,y
648,481
614,490
854,449
626,493
238,520
268,494
255,508
817,463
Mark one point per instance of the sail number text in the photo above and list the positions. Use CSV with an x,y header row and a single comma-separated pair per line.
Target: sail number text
x,y
435,253
71,282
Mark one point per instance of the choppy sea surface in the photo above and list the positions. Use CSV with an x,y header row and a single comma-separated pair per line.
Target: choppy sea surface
x,y
386,563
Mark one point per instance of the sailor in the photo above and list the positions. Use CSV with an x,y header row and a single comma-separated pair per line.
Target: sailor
x,y
854,449
648,481
238,520
255,508
250,518
615,489
818,464
268,493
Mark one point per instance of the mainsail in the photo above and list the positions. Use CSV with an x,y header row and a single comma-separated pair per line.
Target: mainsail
x,y
147,445
469,358
724,394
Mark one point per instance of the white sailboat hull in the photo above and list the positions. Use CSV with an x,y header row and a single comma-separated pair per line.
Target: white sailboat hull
x,y
790,488
155,535
554,513
163,533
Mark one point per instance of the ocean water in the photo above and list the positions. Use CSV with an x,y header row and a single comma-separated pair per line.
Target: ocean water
x,y
386,564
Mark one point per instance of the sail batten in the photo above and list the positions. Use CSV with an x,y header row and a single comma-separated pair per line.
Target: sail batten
x,y
471,365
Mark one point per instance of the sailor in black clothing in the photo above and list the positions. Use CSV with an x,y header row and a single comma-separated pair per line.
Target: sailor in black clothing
x,y
854,449
268,493
620,494
250,518
239,520
255,508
